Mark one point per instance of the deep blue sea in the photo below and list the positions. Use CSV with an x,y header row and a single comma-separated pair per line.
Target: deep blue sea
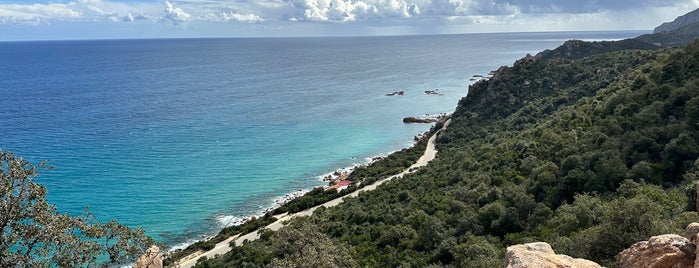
x,y
184,136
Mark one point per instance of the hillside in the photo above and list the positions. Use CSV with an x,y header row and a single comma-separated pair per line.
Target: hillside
x,y
679,23
589,153
679,32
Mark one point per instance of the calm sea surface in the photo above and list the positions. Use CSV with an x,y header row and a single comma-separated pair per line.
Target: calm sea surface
x,y
183,137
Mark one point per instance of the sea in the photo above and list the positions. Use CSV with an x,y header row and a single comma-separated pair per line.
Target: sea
x,y
183,137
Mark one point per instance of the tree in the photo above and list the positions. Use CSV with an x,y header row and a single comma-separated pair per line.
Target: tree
x,y
35,234
306,246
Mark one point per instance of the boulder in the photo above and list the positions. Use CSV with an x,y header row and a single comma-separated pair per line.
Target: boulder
x,y
419,120
541,255
150,259
691,232
433,92
668,250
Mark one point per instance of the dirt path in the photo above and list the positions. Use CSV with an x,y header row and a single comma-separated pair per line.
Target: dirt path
x,y
224,246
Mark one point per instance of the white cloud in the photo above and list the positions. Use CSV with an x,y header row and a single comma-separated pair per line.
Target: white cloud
x,y
78,11
231,15
361,10
128,18
449,8
343,11
314,17
249,17
175,14
35,21
42,11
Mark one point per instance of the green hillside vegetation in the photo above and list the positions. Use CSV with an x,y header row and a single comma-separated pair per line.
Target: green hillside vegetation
x,y
672,39
365,175
679,32
590,154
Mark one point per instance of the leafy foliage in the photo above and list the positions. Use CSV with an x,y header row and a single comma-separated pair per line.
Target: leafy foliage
x,y
34,234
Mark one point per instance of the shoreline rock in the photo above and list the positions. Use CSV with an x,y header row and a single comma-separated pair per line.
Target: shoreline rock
x,y
428,119
152,258
396,93
433,92
411,119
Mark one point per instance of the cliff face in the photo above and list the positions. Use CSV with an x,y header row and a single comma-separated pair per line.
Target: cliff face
x,y
679,22
679,32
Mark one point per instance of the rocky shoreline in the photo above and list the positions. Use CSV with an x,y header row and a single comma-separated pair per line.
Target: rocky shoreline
x,y
427,118
331,178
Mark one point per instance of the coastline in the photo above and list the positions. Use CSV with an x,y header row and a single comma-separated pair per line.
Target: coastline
x,y
328,178
278,221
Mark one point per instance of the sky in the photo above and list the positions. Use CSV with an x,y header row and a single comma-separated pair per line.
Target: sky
x,y
118,19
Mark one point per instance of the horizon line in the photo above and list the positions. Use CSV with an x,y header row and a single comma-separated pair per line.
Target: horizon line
x,y
312,36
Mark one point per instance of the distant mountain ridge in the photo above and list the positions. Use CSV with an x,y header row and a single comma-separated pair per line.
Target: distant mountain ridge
x,y
681,31
577,49
678,32
680,22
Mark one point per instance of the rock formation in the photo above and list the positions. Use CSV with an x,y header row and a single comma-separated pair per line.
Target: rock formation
x,y
667,250
429,118
419,120
433,92
662,251
541,255
396,93
150,259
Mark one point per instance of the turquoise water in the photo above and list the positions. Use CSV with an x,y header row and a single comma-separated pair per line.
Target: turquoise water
x,y
183,137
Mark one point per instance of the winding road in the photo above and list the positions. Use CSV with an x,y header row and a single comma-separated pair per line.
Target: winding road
x,y
224,246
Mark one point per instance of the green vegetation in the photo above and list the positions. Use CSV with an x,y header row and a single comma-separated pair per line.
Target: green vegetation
x,y
34,234
365,175
392,164
590,154
250,226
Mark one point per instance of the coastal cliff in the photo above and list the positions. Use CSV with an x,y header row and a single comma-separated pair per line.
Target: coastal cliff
x,y
679,23
681,31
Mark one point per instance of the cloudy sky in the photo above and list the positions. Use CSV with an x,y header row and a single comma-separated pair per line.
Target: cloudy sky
x,y
94,19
